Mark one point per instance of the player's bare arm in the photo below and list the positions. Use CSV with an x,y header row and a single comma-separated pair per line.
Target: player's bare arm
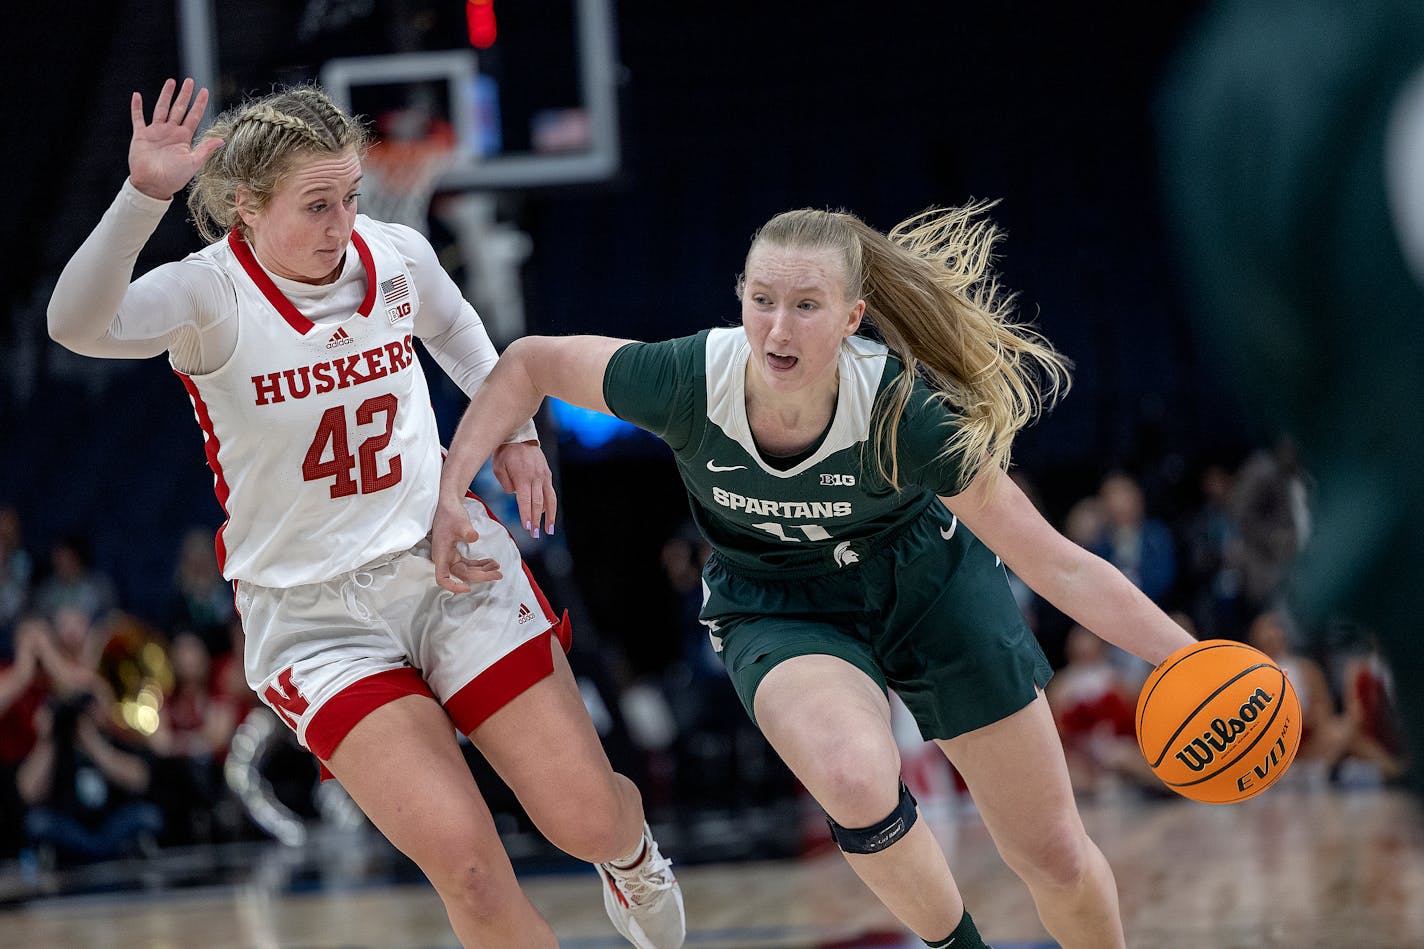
x,y
1076,581
570,368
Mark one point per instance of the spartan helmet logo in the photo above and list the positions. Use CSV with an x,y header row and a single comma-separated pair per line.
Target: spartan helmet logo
x,y
844,555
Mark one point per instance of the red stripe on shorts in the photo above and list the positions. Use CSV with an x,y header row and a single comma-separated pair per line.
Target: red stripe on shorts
x,y
340,713
508,678
468,708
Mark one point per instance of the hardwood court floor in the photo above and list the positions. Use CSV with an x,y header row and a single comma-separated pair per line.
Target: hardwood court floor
x,y
1297,868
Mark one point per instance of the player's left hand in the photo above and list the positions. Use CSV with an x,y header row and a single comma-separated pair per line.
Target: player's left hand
x,y
523,471
162,159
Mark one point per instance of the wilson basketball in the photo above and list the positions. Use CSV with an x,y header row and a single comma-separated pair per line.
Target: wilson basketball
x,y
1218,721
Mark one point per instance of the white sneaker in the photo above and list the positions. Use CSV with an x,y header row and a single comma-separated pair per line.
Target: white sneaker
x,y
645,902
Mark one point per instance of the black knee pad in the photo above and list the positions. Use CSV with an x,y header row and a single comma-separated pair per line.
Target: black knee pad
x,y
882,834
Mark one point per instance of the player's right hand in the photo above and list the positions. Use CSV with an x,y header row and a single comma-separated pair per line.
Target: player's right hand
x,y
162,158
453,571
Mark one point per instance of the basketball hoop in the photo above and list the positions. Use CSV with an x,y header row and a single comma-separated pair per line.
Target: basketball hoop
x,y
401,176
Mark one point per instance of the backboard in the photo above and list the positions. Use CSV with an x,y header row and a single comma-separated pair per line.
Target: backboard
x,y
534,106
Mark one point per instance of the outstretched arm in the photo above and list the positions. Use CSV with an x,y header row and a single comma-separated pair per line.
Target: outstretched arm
x,y
570,368
1084,586
455,335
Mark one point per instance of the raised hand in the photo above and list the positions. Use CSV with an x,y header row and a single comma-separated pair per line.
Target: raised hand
x,y
162,158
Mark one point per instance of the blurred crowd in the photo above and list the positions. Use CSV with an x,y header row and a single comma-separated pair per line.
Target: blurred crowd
x,y
1222,568
113,729
116,731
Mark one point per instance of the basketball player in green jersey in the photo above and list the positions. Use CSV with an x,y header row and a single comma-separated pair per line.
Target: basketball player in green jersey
x,y
855,498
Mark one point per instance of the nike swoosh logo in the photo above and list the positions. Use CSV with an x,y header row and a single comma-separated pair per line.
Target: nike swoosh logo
x,y
713,466
948,532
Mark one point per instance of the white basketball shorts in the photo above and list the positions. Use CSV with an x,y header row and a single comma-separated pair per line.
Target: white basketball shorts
x,y
325,655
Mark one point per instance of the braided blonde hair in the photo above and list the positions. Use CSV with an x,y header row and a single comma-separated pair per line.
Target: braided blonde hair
x,y
929,291
262,140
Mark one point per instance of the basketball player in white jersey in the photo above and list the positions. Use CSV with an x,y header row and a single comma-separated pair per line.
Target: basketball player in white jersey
x,y
293,335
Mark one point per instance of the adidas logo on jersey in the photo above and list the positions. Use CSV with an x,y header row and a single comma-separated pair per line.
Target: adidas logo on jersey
x,y
525,614
339,338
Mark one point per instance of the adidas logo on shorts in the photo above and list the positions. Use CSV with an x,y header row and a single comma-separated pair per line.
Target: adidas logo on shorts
x,y
525,614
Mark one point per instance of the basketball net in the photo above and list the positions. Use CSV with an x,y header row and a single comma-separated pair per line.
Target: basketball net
x,y
400,178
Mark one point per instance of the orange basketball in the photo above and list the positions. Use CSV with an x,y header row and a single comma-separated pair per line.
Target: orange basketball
x,y
1218,721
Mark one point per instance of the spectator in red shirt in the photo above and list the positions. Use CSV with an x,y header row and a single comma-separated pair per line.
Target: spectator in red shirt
x,y
23,690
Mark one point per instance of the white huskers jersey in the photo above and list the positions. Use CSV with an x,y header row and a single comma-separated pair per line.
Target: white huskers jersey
x,y
321,437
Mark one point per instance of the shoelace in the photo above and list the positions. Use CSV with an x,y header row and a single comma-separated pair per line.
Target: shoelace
x,y
645,881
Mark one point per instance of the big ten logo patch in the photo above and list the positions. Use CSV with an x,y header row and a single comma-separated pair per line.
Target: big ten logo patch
x,y
843,480
399,312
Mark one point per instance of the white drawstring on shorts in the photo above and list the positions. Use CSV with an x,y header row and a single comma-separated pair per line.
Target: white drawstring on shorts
x,y
357,578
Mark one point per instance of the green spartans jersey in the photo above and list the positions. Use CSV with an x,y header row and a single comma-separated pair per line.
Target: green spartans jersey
x,y
825,513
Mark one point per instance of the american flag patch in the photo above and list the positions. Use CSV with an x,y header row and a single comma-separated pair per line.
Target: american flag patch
x,y
394,289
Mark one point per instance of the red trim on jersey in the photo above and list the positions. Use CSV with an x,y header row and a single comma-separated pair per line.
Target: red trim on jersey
x,y
340,713
210,448
364,252
280,303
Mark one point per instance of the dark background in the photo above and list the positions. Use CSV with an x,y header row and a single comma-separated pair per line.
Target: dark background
x,y
731,112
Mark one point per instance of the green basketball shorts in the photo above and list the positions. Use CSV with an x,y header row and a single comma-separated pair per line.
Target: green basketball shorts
x,y
926,611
